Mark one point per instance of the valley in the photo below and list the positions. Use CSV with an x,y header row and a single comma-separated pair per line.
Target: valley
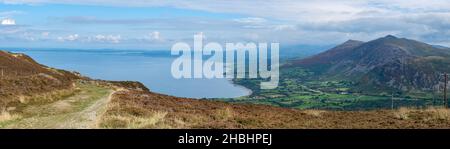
x,y
386,73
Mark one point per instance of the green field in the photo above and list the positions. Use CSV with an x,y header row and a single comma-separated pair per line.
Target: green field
x,y
299,88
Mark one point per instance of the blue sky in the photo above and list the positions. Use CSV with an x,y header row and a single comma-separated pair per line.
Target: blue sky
x,y
152,24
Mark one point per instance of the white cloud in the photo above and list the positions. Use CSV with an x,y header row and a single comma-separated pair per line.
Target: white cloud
x,y
251,20
45,34
90,39
280,9
319,21
10,13
8,22
72,37
284,27
293,10
154,36
106,38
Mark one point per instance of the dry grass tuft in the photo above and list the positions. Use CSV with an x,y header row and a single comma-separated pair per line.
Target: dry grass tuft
x,y
50,97
224,114
402,113
315,113
121,116
439,113
431,113
134,122
6,116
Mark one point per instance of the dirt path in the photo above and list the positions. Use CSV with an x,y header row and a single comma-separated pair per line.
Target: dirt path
x,y
87,118
80,111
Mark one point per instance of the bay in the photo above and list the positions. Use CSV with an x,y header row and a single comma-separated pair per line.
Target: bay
x,y
152,68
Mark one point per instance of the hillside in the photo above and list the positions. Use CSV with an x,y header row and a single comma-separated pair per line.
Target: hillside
x,y
387,63
384,73
137,109
21,77
66,100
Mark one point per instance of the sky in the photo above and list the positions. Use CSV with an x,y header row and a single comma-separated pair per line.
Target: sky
x,y
155,24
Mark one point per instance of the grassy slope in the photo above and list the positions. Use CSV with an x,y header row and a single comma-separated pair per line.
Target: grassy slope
x,y
89,107
79,110
21,78
140,109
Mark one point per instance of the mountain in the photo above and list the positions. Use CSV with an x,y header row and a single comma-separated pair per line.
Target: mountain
x,y
381,64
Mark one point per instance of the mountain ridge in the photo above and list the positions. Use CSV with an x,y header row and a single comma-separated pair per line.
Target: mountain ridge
x,y
387,63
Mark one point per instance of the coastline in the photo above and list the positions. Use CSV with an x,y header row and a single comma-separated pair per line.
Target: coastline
x,y
249,91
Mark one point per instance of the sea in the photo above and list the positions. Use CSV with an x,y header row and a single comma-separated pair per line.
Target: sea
x,y
150,67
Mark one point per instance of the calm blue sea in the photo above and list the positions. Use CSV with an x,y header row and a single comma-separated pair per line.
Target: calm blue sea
x,y
149,67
